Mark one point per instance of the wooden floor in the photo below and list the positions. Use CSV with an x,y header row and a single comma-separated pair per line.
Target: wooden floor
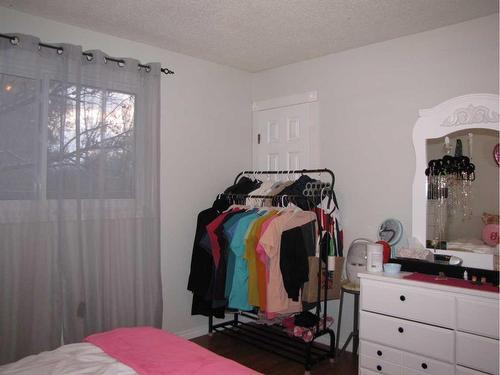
x,y
271,364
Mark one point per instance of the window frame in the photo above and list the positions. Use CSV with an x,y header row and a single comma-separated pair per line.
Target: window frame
x,y
42,96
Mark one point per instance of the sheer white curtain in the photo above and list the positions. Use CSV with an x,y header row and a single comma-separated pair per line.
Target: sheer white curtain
x,y
79,195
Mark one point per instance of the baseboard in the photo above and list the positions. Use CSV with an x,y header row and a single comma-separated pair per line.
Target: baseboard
x,y
193,332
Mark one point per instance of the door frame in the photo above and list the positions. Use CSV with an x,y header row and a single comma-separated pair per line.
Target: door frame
x,y
311,99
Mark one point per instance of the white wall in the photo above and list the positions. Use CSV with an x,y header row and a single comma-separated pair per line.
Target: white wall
x,y
369,99
206,132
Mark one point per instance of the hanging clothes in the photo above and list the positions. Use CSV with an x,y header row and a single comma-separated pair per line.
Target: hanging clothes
x,y
238,296
268,188
250,257
263,189
277,297
202,265
296,189
296,245
330,220
219,276
244,186
229,230
256,292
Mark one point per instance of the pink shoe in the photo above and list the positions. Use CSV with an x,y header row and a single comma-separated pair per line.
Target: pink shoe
x,y
308,336
299,331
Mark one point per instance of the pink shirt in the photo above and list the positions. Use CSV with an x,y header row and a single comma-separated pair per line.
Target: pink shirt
x,y
260,249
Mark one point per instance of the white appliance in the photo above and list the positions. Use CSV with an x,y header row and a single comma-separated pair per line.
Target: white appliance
x,y
356,259
374,257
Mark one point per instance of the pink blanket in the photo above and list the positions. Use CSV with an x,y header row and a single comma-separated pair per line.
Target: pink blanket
x,y
153,351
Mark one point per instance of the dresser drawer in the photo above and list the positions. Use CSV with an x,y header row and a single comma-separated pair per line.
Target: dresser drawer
x,y
477,352
429,341
468,371
375,350
479,316
379,366
426,365
413,364
408,302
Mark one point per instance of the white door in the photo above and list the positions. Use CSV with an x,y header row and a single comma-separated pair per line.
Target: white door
x,y
281,138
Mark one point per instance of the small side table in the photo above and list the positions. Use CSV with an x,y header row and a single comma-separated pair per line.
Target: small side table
x,y
353,289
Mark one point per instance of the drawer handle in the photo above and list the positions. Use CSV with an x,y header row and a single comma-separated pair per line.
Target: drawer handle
x,y
424,365
379,368
402,298
379,353
401,330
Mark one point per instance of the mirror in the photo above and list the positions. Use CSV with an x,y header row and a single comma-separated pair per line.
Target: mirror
x,y
457,179
462,190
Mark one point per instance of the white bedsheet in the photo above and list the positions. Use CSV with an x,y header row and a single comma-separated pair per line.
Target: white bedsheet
x,y
75,359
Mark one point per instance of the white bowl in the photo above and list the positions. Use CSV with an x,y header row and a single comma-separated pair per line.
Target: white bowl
x,y
392,268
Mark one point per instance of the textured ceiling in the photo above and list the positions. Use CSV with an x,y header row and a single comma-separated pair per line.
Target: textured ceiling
x,y
255,35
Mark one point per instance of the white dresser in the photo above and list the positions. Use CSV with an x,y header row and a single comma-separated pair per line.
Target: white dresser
x,y
412,327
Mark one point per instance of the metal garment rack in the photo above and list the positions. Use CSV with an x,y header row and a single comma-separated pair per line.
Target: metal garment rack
x,y
273,338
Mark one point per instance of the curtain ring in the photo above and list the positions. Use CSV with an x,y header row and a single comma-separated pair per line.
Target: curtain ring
x,y
120,63
14,40
60,51
89,56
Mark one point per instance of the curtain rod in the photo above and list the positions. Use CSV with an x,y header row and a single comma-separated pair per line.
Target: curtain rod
x,y
15,40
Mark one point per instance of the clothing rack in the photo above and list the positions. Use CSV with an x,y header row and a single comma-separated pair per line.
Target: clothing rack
x,y
288,172
273,338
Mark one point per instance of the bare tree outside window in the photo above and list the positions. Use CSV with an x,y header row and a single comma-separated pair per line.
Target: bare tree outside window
x,y
90,142
18,137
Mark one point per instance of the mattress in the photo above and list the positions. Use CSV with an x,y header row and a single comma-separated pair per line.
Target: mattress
x,y
82,358
124,351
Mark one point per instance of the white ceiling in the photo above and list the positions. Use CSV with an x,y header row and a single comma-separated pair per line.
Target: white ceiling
x,y
255,35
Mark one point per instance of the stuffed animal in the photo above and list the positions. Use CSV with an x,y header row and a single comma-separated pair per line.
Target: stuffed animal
x,y
490,218
491,229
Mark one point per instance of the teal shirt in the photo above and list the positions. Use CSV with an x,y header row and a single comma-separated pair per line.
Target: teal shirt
x,y
238,296
229,228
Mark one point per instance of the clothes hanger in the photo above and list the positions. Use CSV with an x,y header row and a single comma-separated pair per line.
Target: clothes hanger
x,y
296,208
283,207
263,208
277,180
321,197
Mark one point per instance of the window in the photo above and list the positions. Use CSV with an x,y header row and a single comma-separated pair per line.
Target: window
x,y
18,137
83,146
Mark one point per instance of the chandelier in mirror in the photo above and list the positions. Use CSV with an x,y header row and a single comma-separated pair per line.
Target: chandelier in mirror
x,y
449,187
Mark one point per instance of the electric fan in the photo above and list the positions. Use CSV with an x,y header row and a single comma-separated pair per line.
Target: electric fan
x,y
356,259
391,231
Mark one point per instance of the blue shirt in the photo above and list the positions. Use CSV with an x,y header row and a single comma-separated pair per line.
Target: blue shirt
x,y
229,228
238,296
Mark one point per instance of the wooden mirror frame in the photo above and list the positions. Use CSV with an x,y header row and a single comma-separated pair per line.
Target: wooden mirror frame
x,y
474,111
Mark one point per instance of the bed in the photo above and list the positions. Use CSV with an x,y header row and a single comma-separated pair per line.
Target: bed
x,y
126,351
